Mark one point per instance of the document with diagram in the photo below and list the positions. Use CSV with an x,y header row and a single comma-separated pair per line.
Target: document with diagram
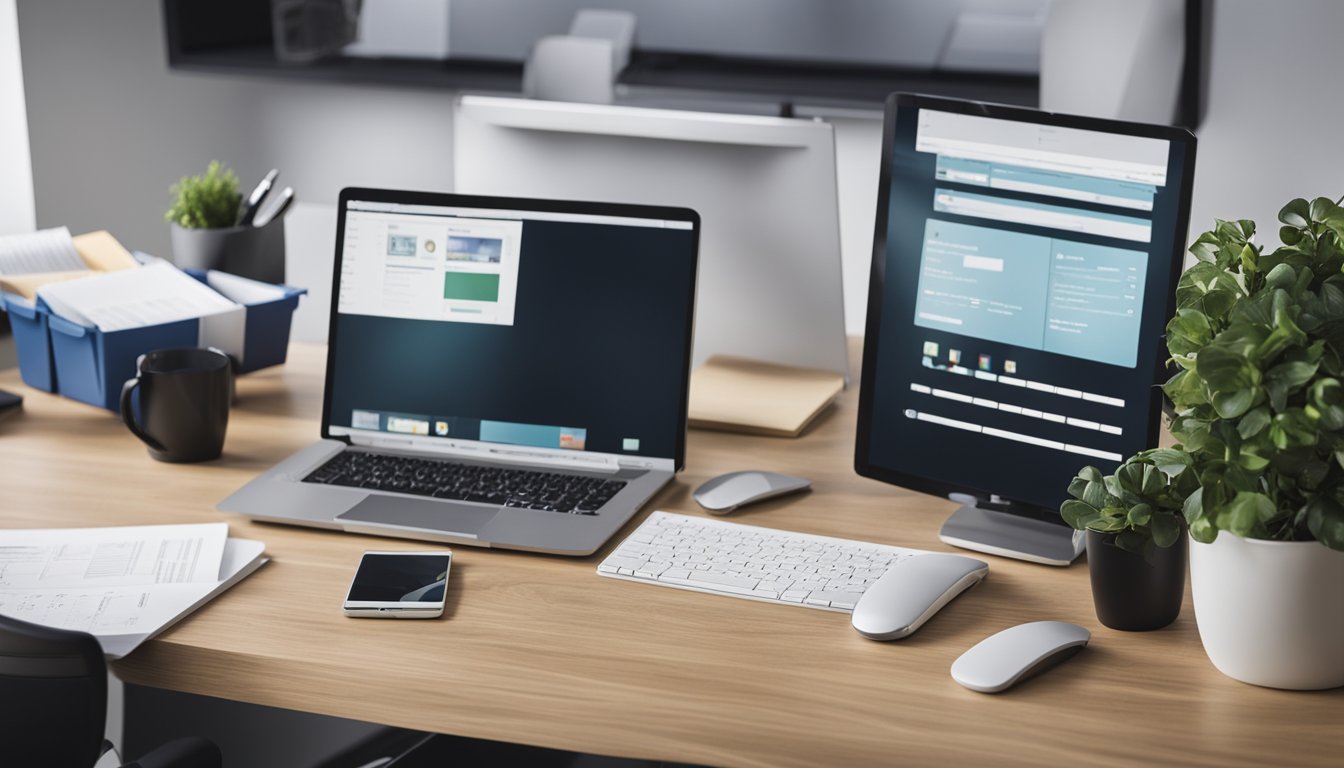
x,y
122,585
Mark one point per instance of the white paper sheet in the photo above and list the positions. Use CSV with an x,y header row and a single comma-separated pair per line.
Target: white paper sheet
x,y
134,298
122,618
47,250
243,290
100,558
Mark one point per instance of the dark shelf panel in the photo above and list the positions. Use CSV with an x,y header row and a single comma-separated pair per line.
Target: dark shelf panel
x,y
234,37
816,83
260,61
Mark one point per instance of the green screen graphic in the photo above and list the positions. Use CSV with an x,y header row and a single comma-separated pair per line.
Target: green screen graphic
x,y
471,286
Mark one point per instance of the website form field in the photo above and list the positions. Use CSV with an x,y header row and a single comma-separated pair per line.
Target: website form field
x,y
1052,148
1005,434
1041,215
1016,410
1031,291
1069,186
1038,386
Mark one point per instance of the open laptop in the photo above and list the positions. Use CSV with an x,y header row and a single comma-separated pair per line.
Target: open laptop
x,y
501,372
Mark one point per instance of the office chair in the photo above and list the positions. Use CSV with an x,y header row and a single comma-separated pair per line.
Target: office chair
x,y
53,704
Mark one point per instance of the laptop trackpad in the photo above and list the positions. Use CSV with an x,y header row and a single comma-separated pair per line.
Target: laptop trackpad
x,y
400,511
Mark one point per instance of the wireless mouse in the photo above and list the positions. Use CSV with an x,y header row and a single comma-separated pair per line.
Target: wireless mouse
x,y
721,495
1001,660
911,592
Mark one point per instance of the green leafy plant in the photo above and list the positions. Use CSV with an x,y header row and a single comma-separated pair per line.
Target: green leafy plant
x,y
205,202
1140,503
1258,341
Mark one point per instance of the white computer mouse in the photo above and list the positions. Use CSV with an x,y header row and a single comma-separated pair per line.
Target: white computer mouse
x,y
1002,659
912,591
721,495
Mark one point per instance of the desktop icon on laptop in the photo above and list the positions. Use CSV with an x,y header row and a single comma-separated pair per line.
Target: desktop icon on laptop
x,y
501,372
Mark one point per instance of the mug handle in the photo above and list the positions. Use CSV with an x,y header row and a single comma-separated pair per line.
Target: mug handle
x,y
128,418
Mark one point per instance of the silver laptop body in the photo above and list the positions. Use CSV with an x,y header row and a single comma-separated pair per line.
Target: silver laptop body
x,y
624,376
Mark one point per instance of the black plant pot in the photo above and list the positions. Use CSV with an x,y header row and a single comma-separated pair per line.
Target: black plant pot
x,y
1130,592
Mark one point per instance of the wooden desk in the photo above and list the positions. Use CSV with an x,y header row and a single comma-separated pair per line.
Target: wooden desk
x,y
540,650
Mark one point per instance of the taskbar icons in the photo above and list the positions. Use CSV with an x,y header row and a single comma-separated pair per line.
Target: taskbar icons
x,y
953,358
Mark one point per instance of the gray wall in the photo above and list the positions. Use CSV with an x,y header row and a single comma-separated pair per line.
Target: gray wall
x,y
1273,127
111,127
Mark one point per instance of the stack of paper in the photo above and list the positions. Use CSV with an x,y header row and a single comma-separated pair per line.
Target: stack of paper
x,y
28,262
134,298
48,250
122,585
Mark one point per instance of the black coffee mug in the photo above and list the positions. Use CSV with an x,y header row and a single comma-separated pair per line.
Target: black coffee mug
x,y
184,403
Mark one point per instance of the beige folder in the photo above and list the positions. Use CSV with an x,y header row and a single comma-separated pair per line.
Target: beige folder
x,y
740,395
99,250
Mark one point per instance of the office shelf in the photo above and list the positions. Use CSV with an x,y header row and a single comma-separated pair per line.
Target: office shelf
x,y
234,38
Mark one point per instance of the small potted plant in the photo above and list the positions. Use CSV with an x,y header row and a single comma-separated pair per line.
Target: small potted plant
x,y
206,233
1258,470
1136,550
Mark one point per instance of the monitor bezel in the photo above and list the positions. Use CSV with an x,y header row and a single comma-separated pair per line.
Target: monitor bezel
x,y
452,200
991,498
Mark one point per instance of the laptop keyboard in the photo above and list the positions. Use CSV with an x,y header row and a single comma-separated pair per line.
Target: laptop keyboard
x,y
531,489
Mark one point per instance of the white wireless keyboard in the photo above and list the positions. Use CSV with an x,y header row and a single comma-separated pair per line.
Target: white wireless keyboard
x,y
748,561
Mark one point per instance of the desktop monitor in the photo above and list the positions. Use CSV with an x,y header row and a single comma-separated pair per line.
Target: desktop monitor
x,y
1024,268
765,189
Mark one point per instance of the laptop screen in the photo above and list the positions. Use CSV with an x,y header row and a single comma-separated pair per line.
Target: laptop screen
x,y
549,325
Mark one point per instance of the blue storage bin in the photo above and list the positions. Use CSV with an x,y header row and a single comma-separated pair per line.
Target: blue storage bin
x,y
86,364
33,342
266,334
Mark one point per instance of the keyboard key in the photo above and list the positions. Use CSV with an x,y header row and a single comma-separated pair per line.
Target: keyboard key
x,y
628,563
725,580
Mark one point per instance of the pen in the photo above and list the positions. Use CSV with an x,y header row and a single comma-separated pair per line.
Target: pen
x,y
248,211
276,209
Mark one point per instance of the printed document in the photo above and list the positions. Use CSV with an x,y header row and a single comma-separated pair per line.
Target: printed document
x,y
47,250
122,585
124,617
135,298
128,556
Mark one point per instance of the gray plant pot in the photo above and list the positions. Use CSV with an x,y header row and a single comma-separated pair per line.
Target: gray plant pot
x,y
255,252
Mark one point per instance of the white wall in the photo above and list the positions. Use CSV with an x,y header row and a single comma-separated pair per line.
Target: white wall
x,y
16,173
1273,114
1274,129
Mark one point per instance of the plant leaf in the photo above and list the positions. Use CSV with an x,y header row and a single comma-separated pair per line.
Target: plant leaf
x,y
1079,515
1325,520
1223,369
1245,512
1254,422
1165,529
1230,405
1296,213
1170,461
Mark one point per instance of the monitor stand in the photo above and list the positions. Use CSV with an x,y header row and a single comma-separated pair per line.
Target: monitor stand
x,y
1009,535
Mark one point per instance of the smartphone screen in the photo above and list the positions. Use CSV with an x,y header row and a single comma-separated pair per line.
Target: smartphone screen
x,y
400,578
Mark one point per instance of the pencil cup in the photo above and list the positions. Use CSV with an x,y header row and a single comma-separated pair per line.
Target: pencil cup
x,y
255,252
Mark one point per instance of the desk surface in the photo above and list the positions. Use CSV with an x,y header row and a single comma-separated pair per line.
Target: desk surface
x,y
540,650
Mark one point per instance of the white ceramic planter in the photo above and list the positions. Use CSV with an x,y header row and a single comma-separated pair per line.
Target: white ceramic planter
x,y
1271,613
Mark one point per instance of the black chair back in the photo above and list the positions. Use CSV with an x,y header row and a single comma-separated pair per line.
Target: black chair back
x,y
53,696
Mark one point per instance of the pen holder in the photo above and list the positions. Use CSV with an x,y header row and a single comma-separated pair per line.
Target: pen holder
x,y
255,252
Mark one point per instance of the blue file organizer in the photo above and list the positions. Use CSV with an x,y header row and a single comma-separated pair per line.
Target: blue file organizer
x,y
86,364
33,343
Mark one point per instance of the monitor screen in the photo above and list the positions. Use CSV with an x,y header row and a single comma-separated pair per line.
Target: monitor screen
x,y
555,326
1024,269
